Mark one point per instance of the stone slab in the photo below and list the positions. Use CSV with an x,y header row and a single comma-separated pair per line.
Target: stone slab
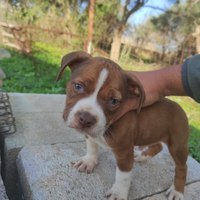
x,y
46,172
38,121
41,128
34,103
4,53
192,192
3,195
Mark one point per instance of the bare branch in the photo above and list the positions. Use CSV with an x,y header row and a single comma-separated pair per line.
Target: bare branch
x,y
125,9
137,6
197,1
176,13
158,8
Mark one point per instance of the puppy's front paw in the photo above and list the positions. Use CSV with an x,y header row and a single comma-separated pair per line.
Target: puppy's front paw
x,y
86,164
138,157
173,194
117,194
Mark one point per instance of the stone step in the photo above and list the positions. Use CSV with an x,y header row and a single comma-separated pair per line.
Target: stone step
x,y
4,53
192,192
46,173
39,121
3,195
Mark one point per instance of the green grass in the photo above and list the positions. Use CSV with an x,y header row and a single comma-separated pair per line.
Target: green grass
x,y
192,110
37,74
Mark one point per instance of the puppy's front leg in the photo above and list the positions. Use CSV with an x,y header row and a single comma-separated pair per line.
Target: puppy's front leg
x,y
120,189
87,162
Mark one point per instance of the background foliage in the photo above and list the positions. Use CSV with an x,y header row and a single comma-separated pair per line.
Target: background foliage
x,y
35,73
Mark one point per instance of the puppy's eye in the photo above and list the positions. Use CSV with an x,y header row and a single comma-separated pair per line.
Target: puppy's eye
x,y
78,87
113,102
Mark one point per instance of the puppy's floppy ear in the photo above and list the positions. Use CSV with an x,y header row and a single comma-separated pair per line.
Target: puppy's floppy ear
x,y
71,60
135,89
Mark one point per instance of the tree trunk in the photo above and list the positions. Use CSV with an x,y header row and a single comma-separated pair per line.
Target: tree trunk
x,y
198,39
90,25
163,53
116,45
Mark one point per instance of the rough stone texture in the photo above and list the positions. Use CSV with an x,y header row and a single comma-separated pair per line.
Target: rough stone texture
x,y
192,192
3,195
46,172
4,53
38,121
2,74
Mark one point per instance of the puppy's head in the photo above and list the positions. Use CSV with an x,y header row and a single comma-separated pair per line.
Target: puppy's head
x,y
95,92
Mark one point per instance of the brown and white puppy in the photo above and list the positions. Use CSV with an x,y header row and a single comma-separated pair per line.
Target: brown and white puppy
x,y
97,89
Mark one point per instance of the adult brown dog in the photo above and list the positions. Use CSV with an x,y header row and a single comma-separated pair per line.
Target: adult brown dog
x,y
97,89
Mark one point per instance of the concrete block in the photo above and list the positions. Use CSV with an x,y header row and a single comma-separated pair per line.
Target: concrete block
x,y
46,172
192,192
37,103
4,53
38,121
3,195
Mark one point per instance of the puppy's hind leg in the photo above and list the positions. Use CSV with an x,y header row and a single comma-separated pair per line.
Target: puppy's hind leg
x,y
88,162
179,153
151,151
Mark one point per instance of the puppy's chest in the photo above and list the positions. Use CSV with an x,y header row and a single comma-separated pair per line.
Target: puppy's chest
x,y
101,142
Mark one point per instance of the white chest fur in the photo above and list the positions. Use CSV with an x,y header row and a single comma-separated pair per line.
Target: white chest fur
x,y
101,142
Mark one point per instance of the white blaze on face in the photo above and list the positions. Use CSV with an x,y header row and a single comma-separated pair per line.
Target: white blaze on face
x,y
91,106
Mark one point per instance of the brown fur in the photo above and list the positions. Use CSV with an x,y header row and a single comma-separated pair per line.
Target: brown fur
x,y
153,150
86,70
164,121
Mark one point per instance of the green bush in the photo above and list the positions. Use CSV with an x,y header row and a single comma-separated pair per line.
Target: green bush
x,y
192,110
194,143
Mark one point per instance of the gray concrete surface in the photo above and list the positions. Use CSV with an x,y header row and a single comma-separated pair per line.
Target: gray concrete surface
x,y
38,121
4,53
192,192
3,195
46,173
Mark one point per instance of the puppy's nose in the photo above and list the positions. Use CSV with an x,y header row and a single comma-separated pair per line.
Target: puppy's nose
x,y
86,120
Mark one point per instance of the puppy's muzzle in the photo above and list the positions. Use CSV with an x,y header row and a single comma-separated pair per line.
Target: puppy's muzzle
x,y
86,120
